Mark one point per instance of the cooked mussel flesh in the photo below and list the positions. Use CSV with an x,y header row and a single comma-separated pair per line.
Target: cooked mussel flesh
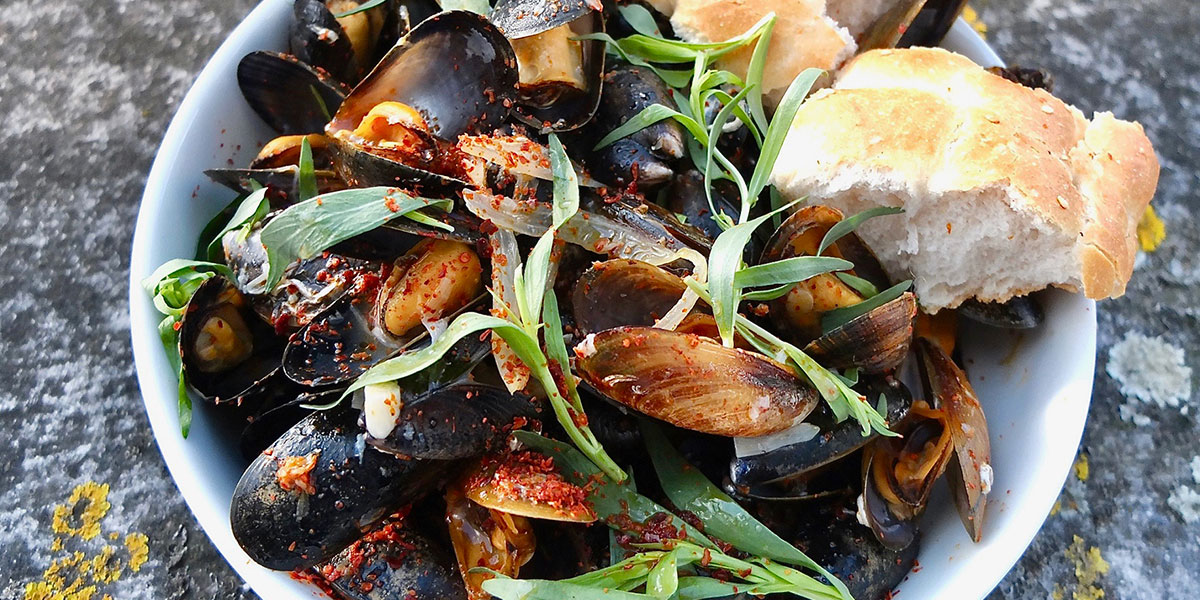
x,y
485,538
228,354
694,383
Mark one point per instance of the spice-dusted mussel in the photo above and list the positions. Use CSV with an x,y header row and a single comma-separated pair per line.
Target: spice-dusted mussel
x,y
292,97
393,562
318,487
451,75
827,441
874,342
692,382
228,353
430,282
455,421
622,292
559,77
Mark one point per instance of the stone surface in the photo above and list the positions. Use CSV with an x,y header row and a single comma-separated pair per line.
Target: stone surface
x,y
87,89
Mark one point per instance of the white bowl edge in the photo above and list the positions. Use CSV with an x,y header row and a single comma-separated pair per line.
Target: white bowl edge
x,y
1061,372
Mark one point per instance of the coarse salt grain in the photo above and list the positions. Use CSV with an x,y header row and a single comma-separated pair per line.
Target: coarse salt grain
x,y
1151,370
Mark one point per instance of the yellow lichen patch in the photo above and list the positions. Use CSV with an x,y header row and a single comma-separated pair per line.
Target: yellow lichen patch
x,y
95,498
74,575
1151,231
1089,567
1057,507
139,551
1081,467
972,18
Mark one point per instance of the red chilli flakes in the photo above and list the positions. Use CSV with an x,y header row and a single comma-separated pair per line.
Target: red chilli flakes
x,y
532,476
295,473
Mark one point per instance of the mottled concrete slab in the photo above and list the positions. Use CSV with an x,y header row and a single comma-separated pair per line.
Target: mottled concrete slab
x,y
86,91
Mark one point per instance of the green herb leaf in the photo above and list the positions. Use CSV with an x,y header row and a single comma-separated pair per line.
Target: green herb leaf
x,y
640,19
840,316
723,518
306,177
647,117
307,228
769,293
724,261
845,226
566,183
476,6
541,589
365,6
250,211
615,503
754,75
789,271
663,579
781,123
213,227
865,288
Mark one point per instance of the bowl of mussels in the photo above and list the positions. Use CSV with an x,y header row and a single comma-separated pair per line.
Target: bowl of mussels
x,y
436,303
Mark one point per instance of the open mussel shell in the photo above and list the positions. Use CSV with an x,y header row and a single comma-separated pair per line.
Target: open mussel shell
x,y
393,562
283,180
228,353
338,344
932,23
626,163
361,168
317,488
687,197
831,442
524,18
485,538
885,31
279,414
650,220
890,529
691,382
1021,312
292,97
455,68
875,342
455,421
970,471
526,483
560,101
622,292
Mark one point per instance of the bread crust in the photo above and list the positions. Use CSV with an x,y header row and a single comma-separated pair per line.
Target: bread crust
x,y
803,36
932,122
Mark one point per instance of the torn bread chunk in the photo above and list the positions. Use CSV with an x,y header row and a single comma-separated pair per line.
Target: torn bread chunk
x,y
1006,189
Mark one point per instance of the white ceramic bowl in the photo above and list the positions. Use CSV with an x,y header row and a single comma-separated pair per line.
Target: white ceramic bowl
x,y
1035,386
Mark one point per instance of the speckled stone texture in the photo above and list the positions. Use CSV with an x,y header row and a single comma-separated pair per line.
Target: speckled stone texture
x,y
86,91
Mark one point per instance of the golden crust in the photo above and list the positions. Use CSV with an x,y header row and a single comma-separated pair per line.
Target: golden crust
x,y
932,116
803,37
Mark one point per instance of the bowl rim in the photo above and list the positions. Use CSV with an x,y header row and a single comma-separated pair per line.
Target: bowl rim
x,y
151,366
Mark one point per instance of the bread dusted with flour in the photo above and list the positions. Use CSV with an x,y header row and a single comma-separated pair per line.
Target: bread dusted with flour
x,y
1006,189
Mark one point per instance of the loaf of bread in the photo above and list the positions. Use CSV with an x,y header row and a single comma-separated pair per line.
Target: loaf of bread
x,y
1006,189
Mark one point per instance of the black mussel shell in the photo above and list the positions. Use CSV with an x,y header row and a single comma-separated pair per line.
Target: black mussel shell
x,y
228,354
870,570
1033,78
574,549
292,97
651,219
273,419
523,18
394,562
630,89
626,163
835,440
890,529
338,344
316,38
1021,312
622,292
361,168
560,107
349,488
686,196
455,68
282,179
932,23
456,421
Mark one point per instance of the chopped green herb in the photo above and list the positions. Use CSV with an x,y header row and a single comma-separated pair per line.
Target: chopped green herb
x,y
845,226
365,6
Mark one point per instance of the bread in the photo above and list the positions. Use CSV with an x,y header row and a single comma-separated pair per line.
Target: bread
x,y
1006,189
805,35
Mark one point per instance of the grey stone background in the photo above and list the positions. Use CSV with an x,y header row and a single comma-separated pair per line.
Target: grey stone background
x,y
86,91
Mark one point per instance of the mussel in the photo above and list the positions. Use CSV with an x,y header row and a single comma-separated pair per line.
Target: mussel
x,y
768,460
932,23
317,488
392,562
454,421
558,76
622,292
433,280
1020,312
341,36
453,74
292,97
687,197
228,354
485,538
874,342
692,382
